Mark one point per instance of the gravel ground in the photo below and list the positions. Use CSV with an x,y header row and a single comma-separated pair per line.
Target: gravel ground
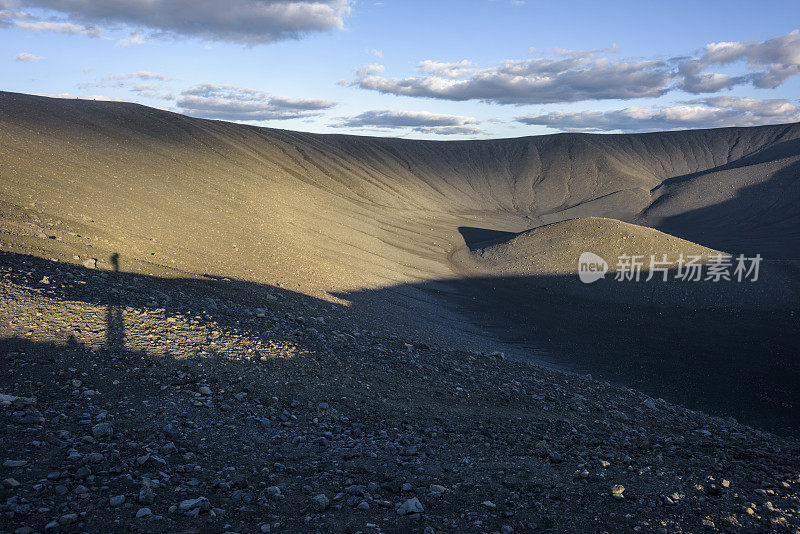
x,y
134,403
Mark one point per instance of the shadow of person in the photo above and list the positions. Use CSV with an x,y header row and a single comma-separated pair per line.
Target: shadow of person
x,y
115,328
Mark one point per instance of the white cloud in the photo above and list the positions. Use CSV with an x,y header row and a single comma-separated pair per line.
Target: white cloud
x,y
58,27
241,104
241,21
715,112
30,58
562,75
153,87
140,75
419,121
151,90
461,69
774,60
133,39
366,70
567,78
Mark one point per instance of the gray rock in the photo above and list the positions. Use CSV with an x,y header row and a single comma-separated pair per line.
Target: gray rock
x,y
68,519
11,483
320,502
95,458
102,430
200,503
489,504
410,506
116,500
146,495
143,512
82,472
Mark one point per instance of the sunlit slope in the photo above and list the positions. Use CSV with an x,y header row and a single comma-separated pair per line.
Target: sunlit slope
x,y
547,258
325,213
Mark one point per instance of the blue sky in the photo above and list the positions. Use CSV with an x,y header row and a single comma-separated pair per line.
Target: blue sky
x,y
457,69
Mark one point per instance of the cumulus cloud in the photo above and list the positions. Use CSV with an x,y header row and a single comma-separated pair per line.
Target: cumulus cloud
x,y
566,78
419,121
715,112
461,69
240,21
29,58
151,90
366,70
772,61
154,86
133,39
561,75
58,27
241,104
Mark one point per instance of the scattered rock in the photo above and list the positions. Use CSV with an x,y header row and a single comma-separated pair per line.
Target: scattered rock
x,y
320,502
410,506
102,430
146,495
199,503
11,483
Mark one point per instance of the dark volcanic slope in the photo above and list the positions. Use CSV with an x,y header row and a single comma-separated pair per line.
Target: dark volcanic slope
x,y
328,214
395,228
332,214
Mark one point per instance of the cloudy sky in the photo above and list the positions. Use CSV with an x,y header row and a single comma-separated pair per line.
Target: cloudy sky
x,y
443,69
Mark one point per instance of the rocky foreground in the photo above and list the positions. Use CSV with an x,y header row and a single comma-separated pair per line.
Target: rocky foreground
x,y
132,403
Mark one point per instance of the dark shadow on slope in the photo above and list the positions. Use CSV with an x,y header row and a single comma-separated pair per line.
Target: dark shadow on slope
x,y
727,362
476,238
762,219
740,363
743,364
115,325
778,151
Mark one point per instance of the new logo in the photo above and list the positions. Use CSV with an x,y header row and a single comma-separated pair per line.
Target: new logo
x,y
591,267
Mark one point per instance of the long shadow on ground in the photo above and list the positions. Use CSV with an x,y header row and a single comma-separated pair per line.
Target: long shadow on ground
x,y
742,364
